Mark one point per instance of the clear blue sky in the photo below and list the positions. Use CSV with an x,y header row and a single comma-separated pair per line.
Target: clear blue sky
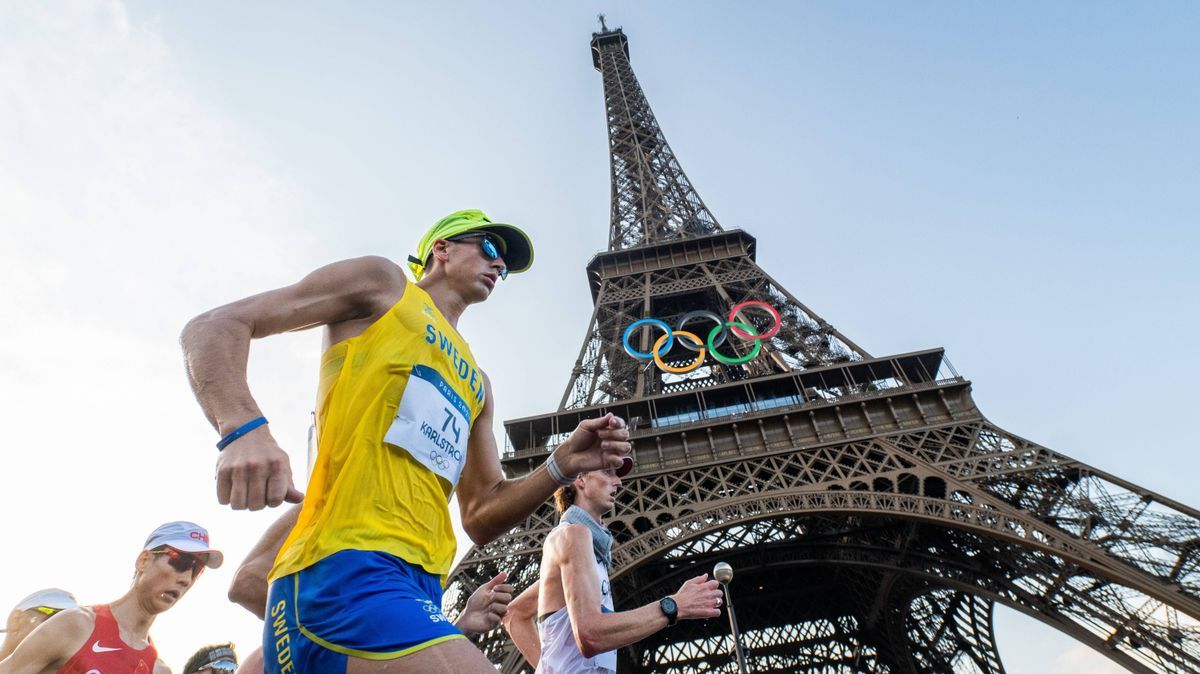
x,y
1015,182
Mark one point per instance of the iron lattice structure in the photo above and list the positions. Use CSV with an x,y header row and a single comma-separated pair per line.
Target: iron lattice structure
x,y
873,514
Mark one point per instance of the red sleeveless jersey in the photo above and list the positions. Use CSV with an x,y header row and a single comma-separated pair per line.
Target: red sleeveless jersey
x,y
105,653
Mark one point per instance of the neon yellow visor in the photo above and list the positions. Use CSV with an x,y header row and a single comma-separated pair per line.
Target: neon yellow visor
x,y
516,248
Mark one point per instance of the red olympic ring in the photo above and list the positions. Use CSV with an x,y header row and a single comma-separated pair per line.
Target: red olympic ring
x,y
762,305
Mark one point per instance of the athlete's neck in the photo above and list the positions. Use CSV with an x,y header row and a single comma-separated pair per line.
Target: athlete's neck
x,y
133,619
596,510
446,299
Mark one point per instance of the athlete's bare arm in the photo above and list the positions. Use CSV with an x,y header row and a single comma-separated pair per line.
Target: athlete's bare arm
x,y
253,664
161,667
249,586
491,505
51,644
595,632
518,622
346,296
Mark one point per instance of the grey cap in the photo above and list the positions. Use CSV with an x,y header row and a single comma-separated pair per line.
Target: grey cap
x,y
51,597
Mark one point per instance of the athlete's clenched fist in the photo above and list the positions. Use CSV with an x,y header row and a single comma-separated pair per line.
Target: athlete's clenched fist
x,y
596,444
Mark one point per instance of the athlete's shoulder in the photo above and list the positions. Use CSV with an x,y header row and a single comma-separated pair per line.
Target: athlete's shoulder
x,y
79,619
369,285
568,537
65,632
372,270
374,262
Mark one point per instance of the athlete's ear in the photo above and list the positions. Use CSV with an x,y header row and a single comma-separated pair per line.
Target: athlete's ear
x,y
441,249
142,560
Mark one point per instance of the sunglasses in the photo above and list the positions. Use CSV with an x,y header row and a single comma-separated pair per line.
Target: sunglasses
x,y
487,244
182,561
48,610
222,666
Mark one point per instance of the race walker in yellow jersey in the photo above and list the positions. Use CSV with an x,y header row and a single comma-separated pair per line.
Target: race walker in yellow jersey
x,y
404,421
394,420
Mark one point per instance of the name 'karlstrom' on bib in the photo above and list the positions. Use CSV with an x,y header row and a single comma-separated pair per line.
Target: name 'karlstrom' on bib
x,y
432,424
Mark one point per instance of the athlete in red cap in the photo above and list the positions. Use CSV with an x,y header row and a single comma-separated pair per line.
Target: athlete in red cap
x,y
115,638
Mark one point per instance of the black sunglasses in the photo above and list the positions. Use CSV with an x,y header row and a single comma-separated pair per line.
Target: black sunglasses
x,y
487,244
183,562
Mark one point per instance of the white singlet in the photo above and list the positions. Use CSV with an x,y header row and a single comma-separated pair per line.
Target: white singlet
x,y
560,654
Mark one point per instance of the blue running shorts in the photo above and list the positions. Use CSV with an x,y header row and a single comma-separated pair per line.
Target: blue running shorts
x,y
369,605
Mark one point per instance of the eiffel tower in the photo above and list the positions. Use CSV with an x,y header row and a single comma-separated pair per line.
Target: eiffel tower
x,y
874,516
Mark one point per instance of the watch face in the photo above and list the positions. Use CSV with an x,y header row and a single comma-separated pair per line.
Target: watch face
x,y
669,609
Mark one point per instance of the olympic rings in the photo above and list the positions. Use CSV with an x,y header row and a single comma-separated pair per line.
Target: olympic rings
x,y
763,305
648,321
687,368
437,458
727,359
741,329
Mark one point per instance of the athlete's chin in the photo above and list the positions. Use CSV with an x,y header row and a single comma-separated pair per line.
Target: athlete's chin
x,y
481,292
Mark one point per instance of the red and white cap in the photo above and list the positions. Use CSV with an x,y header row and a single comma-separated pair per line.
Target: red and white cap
x,y
185,537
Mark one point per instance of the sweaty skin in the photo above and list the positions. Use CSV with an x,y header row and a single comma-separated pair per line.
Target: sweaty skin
x,y
156,587
568,579
346,297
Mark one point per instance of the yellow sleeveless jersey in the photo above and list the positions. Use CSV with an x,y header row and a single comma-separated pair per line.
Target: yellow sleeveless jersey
x,y
394,410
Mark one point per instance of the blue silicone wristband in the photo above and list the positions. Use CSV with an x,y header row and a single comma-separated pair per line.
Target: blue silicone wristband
x,y
240,431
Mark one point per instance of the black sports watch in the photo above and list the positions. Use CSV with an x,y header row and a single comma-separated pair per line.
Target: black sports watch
x,y
669,609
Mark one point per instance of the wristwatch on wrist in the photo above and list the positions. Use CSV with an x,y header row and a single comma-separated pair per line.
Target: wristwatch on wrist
x,y
669,609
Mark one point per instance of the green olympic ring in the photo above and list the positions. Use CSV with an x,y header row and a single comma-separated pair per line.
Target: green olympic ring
x,y
712,348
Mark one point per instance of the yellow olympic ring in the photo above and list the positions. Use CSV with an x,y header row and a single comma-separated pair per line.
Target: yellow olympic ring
x,y
679,370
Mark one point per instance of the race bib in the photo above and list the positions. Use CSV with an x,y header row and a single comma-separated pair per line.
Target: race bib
x,y
432,424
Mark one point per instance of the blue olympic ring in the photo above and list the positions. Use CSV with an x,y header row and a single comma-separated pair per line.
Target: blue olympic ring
x,y
662,350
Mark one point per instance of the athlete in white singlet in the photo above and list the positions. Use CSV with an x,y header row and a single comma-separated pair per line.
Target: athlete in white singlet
x,y
559,650
577,629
